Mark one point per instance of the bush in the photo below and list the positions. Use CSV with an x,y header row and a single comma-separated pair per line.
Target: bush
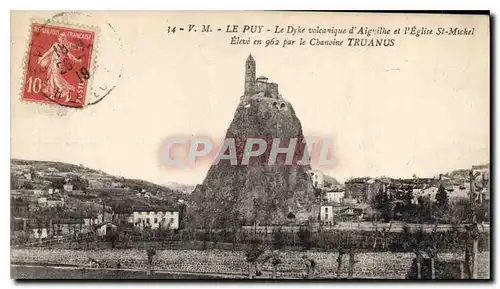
x,y
325,241
305,236
253,250
278,241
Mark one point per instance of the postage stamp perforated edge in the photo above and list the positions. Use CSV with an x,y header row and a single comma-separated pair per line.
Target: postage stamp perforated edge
x,y
93,56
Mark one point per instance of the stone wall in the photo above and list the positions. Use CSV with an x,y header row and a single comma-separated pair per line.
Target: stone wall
x,y
380,265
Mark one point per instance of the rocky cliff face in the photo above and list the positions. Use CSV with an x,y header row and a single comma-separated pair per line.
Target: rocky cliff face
x,y
257,192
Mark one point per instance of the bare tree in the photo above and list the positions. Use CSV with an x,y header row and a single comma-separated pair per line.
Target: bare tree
x,y
150,253
352,262
275,261
339,261
311,266
253,252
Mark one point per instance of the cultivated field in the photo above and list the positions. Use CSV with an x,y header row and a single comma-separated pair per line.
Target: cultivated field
x,y
380,265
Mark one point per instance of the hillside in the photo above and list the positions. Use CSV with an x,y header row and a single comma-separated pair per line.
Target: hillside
x,y
52,172
59,166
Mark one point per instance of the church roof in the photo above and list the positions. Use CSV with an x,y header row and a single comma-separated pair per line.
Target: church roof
x,y
250,58
262,77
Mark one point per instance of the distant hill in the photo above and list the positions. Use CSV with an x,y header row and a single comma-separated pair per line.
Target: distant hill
x,y
81,171
186,188
333,181
61,167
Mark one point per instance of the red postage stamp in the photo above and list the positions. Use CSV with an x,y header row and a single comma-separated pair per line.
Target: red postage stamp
x,y
59,64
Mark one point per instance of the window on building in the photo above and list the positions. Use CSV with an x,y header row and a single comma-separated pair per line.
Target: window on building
x,y
326,216
148,213
147,221
326,210
171,220
156,220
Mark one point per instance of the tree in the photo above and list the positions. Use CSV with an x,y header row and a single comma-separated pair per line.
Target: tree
x,y
258,205
58,183
459,210
341,253
305,236
383,203
14,183
275,261
424,209
408,197
352,262
318,193
79,183
442,199
151,252
405,236
252,253
59,211
27,186
113,238
310,265
278,239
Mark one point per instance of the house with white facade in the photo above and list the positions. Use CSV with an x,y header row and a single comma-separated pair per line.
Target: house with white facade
x,y
42,202
335,197
68,187
55,202
106,228
155,218
326,214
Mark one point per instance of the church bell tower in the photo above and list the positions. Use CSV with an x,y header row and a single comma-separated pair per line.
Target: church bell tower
x,y
250,76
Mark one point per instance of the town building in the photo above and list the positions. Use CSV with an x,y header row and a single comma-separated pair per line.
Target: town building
x,y
334,196
42,202
89,219
40,233
54,202
364,189
326,214
51,170
64,227
349,201
57,227
155,218
317,178
68,187
352,214
93,183
116,184
106,229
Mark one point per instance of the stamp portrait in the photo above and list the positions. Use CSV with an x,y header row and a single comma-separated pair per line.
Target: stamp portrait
x,y
59,65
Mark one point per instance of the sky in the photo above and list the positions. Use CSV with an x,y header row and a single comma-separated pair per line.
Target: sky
x,y
420,107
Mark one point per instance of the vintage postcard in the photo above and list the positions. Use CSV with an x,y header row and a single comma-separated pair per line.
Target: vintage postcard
x,y
250,145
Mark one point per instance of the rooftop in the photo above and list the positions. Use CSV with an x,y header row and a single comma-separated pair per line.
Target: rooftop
x,y
153,209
